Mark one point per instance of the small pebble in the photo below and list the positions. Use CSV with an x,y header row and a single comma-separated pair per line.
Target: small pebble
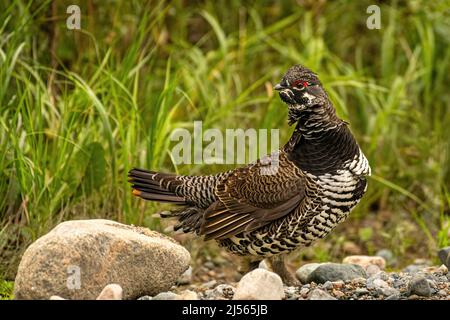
x,y
442,293
338,284
361,291
379,283
304,291
263,265
372,270
338,294
387,255
395,296
111,292
318,294
327,285
186,277
388,292
166,296
209,284
358,281
259,284
188,295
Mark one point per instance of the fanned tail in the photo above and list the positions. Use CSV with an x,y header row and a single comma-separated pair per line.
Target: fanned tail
x,y
162,187
155,186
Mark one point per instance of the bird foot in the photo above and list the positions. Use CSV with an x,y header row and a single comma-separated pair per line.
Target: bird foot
x,y
279,267
290,280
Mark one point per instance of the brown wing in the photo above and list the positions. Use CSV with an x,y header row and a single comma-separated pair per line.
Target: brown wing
x,y
249,198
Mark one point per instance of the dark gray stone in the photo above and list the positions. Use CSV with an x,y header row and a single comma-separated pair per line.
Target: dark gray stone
x,y
444,255
394,296
387,255
304,271
335,272
419,286
413,268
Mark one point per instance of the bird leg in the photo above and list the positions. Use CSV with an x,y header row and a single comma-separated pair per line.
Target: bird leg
x,y
249,264
278,266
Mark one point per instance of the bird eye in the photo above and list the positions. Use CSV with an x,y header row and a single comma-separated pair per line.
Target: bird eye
x,y
300,84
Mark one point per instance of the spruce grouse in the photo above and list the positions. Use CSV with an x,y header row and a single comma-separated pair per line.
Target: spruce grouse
x,y
320,177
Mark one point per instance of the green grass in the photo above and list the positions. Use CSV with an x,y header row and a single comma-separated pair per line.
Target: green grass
x,y
74,122
6,290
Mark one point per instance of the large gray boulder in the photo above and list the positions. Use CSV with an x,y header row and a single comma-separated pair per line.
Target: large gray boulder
x,y
77,259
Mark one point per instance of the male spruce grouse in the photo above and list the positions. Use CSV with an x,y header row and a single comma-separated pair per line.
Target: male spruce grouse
x,y
320,177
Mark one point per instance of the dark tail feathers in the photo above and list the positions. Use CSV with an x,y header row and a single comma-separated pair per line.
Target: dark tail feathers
x,y
155,186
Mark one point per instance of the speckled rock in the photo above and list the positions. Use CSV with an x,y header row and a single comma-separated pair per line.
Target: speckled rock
x,y
77,259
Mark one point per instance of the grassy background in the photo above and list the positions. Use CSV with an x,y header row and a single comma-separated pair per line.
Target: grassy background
x,y
79,108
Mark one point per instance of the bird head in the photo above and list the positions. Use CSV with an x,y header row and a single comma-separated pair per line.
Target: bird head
x,y
300,88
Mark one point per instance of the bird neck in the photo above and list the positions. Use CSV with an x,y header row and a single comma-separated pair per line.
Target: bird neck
x,y
321,142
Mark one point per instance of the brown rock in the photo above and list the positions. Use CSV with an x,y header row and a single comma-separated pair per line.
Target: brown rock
x,y
338,294
77,259
366,261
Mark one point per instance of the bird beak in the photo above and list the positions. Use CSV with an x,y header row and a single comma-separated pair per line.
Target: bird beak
x,y
278,87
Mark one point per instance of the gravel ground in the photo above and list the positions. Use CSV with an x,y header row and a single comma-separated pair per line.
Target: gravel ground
x,y
412,283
